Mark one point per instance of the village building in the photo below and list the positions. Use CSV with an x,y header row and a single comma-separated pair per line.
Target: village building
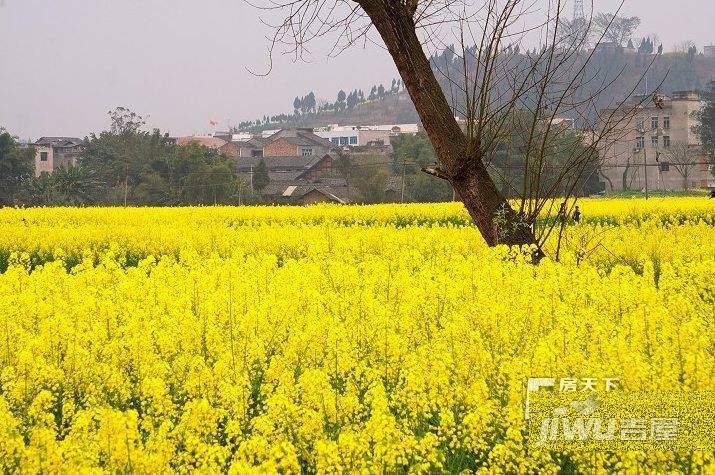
x,y
655,145
52,153
207,141
251,147
363,135
291,168
305,193
295,142
229,149
298,179
298,162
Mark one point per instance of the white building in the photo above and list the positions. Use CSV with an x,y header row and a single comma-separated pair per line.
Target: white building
x,y
359,135
643,147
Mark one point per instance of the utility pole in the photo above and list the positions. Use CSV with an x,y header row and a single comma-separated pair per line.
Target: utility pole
x,y
645,171
404,168
659,185
251,178
126,182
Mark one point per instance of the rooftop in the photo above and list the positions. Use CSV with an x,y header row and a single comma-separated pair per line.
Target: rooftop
x,y
205,141
59,141
294,189
395,128
301,137
278,164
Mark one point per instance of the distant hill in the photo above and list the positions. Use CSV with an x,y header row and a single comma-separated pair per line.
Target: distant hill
x,y
395,108
676,71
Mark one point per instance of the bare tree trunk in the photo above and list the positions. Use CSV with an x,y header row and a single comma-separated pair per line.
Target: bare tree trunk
x,y
460,160
605,177
484,202
624,176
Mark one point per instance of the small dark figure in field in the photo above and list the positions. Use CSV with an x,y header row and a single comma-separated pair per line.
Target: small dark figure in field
x,y
576,214
562,212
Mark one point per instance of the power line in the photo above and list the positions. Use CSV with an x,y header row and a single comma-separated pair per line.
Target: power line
x,y
632,165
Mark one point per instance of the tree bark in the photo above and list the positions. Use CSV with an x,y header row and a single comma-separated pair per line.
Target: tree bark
x,y
624,177
496,220
461,161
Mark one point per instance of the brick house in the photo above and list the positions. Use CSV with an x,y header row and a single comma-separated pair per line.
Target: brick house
x,y
229,149
296,142
303,193
253,147
224,147
204,140
307,168
299,180
52,153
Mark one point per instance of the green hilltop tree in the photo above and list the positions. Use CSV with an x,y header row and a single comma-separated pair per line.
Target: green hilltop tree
x,y
616,29
340,103
310,102
352,99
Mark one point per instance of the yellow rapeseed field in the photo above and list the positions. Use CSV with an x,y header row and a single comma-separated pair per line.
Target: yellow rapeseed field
x,y
335,339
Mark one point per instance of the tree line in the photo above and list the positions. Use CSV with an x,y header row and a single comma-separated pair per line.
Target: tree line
x,y
309,104
344,100
123,165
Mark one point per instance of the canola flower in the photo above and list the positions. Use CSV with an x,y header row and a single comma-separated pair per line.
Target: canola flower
x,y
335,339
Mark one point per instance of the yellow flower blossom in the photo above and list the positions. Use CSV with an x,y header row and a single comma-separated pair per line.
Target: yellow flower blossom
x,y
335,339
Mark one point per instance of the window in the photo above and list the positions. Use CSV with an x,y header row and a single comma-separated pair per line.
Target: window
x,y
335,140
653,123
640,125
666,122
666,141
654,141
640,142
256,153
43,156
306,152
353,140
664,166
344,140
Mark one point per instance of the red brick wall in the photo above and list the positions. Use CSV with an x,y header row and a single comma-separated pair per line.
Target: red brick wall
x,y
280,148
230,150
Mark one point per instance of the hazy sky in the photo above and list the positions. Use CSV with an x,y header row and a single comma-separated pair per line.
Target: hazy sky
x,y
65,63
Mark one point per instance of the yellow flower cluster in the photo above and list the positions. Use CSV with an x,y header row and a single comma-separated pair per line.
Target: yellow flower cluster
x,y
335,339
